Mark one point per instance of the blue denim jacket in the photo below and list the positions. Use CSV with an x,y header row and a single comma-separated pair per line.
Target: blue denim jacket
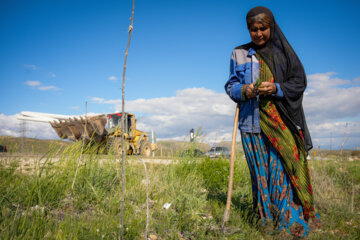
x,y
244,69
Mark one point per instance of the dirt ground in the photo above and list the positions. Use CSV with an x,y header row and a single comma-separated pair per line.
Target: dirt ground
x,y
29,162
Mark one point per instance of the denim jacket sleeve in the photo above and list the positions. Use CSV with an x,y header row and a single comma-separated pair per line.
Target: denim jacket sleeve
x,y
279,93
233,86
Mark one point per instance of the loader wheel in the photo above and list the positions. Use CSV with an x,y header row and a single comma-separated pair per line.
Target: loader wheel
x,y
114,146
109,144
145,149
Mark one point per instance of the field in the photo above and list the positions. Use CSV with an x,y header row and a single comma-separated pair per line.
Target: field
x,y
60,193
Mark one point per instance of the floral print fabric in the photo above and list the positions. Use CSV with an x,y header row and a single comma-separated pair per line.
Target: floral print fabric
x,y
273,194
288,144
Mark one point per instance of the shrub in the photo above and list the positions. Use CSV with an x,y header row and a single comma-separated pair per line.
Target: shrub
x,y
355,153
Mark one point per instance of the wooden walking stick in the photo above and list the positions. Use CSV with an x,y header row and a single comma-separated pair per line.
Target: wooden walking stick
x,y
231,174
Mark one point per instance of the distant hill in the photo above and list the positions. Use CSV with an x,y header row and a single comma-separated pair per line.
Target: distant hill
x,y
30,145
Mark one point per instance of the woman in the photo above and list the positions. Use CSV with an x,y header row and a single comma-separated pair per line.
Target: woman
x,y
268,80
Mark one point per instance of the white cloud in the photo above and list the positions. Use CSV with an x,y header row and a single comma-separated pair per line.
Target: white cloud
x,y
329,98
31,66
74,107
46,88
332,133
325,80
40,87
357,79
52,75
10,126
113,78
98,100
330,103
173,117
33,83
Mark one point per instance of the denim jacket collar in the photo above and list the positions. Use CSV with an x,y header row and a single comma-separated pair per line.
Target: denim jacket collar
x,y
251,52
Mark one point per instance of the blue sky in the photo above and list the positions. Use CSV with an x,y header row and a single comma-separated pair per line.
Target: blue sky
x,y
57,54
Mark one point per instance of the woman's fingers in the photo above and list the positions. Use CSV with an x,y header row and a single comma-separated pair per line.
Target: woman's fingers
x,y
267,88
251,87
250,91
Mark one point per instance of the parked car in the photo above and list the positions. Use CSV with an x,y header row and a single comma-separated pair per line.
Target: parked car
x,y
216,152
191,153
3,148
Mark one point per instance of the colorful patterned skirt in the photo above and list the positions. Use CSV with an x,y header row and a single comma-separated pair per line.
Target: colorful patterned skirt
x,y
274,197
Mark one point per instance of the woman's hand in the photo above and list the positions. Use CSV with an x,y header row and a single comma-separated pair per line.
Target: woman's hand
x,y
267,88
250,91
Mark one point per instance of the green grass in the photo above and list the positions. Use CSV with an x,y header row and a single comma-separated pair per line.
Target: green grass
x,y
41,204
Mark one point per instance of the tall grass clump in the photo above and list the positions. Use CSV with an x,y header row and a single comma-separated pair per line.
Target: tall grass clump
x,y
337,197
179,201
42,203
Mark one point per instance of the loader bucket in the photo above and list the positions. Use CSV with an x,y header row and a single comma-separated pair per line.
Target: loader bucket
x,y
76,133
98,123
79,128
57,129
62,129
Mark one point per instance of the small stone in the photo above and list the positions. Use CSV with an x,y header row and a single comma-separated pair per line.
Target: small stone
x,y
153,237
167,205
48,235
204,190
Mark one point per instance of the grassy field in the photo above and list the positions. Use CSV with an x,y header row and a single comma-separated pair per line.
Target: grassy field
x,y
40,202
30,145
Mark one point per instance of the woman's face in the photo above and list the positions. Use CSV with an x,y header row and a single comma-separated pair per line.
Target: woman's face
x,y
259,33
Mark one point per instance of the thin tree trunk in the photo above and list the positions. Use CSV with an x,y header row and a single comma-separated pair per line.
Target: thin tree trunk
x,y
122,235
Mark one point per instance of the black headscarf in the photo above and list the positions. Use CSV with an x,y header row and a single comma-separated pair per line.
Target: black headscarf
x,y
288,72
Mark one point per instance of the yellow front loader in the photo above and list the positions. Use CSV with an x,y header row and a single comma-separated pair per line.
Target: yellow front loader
x,y
106,129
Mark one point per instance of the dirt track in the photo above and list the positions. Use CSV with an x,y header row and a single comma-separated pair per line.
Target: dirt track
x,y
26,162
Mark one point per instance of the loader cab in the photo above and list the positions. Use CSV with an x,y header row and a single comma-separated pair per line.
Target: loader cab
x,y
114,120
